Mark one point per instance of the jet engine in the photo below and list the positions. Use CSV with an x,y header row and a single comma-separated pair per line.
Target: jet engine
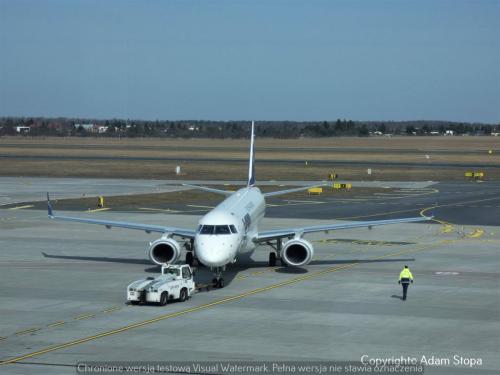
x,y
297,252
164,250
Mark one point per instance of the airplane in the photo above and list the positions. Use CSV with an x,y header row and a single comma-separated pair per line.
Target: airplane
x,y
230,230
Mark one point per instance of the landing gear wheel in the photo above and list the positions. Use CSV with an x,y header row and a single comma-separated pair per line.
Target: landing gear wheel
x,y
183,295
163,299
272,259
189,259
220,284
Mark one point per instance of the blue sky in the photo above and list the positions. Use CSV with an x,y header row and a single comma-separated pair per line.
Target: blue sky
x,y
268,60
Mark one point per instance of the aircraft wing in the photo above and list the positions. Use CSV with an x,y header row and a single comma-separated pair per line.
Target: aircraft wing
x,y
148,228
292,232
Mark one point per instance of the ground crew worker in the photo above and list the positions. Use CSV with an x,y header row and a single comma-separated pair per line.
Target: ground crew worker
x,y
405,278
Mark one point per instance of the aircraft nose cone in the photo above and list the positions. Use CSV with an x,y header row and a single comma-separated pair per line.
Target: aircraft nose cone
x,y
213,253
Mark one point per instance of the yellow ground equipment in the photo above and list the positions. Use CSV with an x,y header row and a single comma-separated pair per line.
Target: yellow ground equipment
x,y
476,176
342,186
315,190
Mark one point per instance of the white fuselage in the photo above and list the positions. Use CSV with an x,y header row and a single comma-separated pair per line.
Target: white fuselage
x,y
228,229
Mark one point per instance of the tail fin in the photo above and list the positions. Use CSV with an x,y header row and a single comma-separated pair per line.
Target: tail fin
x,y
251,163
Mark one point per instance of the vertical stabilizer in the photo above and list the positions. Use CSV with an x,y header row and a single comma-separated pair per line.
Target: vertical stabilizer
x,y
251,162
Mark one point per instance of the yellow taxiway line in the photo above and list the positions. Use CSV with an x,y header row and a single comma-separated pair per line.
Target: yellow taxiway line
x,y
84,316
204,306
26,331
59,323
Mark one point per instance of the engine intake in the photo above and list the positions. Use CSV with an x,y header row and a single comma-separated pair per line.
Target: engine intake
x,y
164,251
297,252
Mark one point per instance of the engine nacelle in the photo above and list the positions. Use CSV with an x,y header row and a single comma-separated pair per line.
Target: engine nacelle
x,y
164,251
297,252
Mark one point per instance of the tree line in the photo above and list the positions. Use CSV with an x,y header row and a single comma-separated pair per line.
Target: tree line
x,y
232,129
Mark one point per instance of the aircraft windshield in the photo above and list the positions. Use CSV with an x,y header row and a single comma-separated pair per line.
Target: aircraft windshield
x,y
222,229
207,229
215,229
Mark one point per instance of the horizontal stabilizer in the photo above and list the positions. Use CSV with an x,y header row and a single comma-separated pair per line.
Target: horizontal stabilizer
x,y
210,190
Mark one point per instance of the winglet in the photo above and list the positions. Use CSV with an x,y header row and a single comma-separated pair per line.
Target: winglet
x,y
251,163
49,207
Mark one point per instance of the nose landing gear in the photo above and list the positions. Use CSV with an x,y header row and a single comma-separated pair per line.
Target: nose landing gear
x,y
218,280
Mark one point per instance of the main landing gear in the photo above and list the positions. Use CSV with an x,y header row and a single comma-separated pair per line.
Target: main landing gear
x,y
218,281
190,259
275,255
190,255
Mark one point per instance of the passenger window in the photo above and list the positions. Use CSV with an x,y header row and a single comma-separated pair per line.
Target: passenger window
x,y
222,229
233,229
207,229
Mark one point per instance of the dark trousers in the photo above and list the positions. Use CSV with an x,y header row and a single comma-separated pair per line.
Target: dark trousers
x,y
405,289
405,282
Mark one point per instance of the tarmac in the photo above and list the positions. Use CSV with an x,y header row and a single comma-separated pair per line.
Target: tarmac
x,y
62,296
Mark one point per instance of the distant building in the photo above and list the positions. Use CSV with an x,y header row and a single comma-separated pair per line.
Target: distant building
x,y
448,132
91,128
102,129
23,129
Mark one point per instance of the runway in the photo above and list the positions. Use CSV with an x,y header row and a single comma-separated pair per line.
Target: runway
x,y
204,160
63,288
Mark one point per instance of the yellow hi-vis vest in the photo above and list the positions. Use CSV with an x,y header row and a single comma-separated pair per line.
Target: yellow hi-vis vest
x,y
405,274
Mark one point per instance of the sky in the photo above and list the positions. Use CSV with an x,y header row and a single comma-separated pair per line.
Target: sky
x,y
243,60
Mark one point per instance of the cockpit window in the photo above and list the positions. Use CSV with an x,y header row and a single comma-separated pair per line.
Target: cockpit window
x,y
233,229
199,228
222,229
207,229
216,229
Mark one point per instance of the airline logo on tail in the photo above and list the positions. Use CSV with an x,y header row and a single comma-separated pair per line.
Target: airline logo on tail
x,y
251,163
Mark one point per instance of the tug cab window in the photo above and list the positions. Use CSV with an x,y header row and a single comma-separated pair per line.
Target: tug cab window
x,y
171,271
186,274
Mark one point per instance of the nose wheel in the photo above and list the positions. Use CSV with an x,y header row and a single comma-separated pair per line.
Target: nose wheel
x,y
218,283
218,280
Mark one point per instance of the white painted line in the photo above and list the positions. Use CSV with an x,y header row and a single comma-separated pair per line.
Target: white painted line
x,y
21,207
312,202
194,205
99,209
158,209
